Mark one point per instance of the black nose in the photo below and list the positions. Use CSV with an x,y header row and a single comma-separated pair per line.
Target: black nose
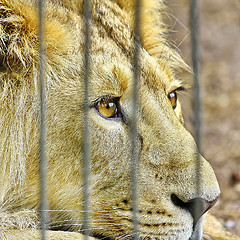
x,y
197,206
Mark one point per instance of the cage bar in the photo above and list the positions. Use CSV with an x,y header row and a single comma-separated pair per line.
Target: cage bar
x,y
194,21
194,16
86,146
43,159
133,123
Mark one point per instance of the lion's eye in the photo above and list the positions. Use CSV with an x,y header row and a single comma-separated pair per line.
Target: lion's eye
x,y
173,99
107,108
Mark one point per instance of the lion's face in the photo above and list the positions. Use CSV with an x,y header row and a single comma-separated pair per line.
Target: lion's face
x,y
167,183
166,175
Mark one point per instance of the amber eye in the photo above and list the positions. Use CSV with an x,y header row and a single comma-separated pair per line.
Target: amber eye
x,y
173,99
107,108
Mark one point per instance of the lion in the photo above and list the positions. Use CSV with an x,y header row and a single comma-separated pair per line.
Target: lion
x,y
166,175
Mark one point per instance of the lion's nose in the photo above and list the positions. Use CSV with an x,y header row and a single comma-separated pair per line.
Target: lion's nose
x,y
197,206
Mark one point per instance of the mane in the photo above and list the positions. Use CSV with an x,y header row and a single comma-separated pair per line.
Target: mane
x,y
19,85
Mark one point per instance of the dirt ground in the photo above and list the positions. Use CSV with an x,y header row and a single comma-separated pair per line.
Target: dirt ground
x,y
220,89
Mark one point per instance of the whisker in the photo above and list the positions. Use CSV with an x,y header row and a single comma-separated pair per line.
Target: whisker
x,y
146,235
96,211
96,222
126,235
178,21
122,236
177,47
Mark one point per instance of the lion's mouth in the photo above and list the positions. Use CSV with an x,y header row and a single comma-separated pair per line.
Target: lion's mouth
x,y
197,229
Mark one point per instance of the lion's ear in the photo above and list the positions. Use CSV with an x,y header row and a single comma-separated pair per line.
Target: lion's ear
x,y
153,31
151,23
151,19
152,27
73,5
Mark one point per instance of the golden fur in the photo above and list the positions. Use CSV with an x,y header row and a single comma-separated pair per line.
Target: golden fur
x,y
168,152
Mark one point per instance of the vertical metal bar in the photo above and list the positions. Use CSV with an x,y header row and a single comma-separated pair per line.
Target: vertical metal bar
x,y
43,161
134,135
86,148
196,69
194,16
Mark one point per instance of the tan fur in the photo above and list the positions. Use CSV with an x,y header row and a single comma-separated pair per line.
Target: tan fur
x,y
168,152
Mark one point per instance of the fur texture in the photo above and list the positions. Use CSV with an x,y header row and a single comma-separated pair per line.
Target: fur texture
x,y
166,169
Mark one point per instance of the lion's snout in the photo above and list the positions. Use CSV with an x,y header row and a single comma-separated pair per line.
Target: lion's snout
x,y
197,206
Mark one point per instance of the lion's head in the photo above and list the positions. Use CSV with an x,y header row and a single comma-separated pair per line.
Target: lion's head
x,y
167,185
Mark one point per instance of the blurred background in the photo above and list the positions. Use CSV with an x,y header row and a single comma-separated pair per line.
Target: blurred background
x,y
220,89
